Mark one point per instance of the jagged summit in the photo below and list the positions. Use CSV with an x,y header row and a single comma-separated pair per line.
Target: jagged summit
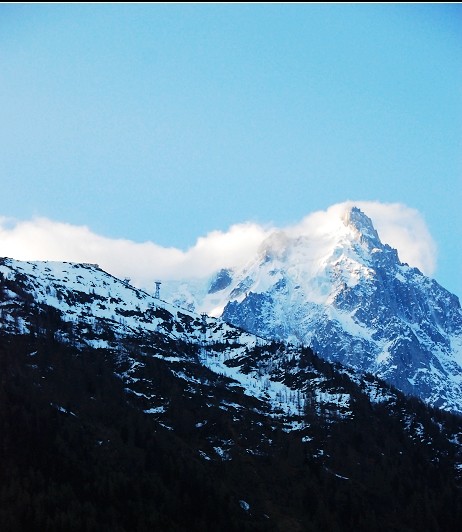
x,y
362,224
347,232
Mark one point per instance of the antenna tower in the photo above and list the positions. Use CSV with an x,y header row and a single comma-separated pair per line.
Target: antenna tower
x,y
157,294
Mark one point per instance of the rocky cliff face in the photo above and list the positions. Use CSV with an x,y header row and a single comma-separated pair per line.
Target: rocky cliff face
x,y
347,295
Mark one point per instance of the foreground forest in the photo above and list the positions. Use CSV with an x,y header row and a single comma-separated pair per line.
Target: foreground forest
x,y
78,454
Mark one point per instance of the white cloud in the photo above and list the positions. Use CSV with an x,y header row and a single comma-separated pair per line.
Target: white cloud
x,y
404,229
43,239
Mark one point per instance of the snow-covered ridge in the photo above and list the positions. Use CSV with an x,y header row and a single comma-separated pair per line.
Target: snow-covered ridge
x,y
95,301
101,311
85,292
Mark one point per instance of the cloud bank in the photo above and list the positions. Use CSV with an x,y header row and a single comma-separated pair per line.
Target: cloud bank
x,y
42,239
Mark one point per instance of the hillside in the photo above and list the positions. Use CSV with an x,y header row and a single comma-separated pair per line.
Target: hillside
x,y
122,412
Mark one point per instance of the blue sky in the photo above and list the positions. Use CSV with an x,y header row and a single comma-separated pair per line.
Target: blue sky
x,y
164,122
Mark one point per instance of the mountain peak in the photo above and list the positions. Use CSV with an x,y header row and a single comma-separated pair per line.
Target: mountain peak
x,y
355,219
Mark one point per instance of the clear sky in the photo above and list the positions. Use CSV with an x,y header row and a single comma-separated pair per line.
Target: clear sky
x,y
164,122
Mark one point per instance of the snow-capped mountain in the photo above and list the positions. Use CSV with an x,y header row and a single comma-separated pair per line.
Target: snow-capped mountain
x,y
346,294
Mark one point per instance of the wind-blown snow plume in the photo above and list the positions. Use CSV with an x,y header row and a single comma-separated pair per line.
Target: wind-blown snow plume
x,y
43,239
402,227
